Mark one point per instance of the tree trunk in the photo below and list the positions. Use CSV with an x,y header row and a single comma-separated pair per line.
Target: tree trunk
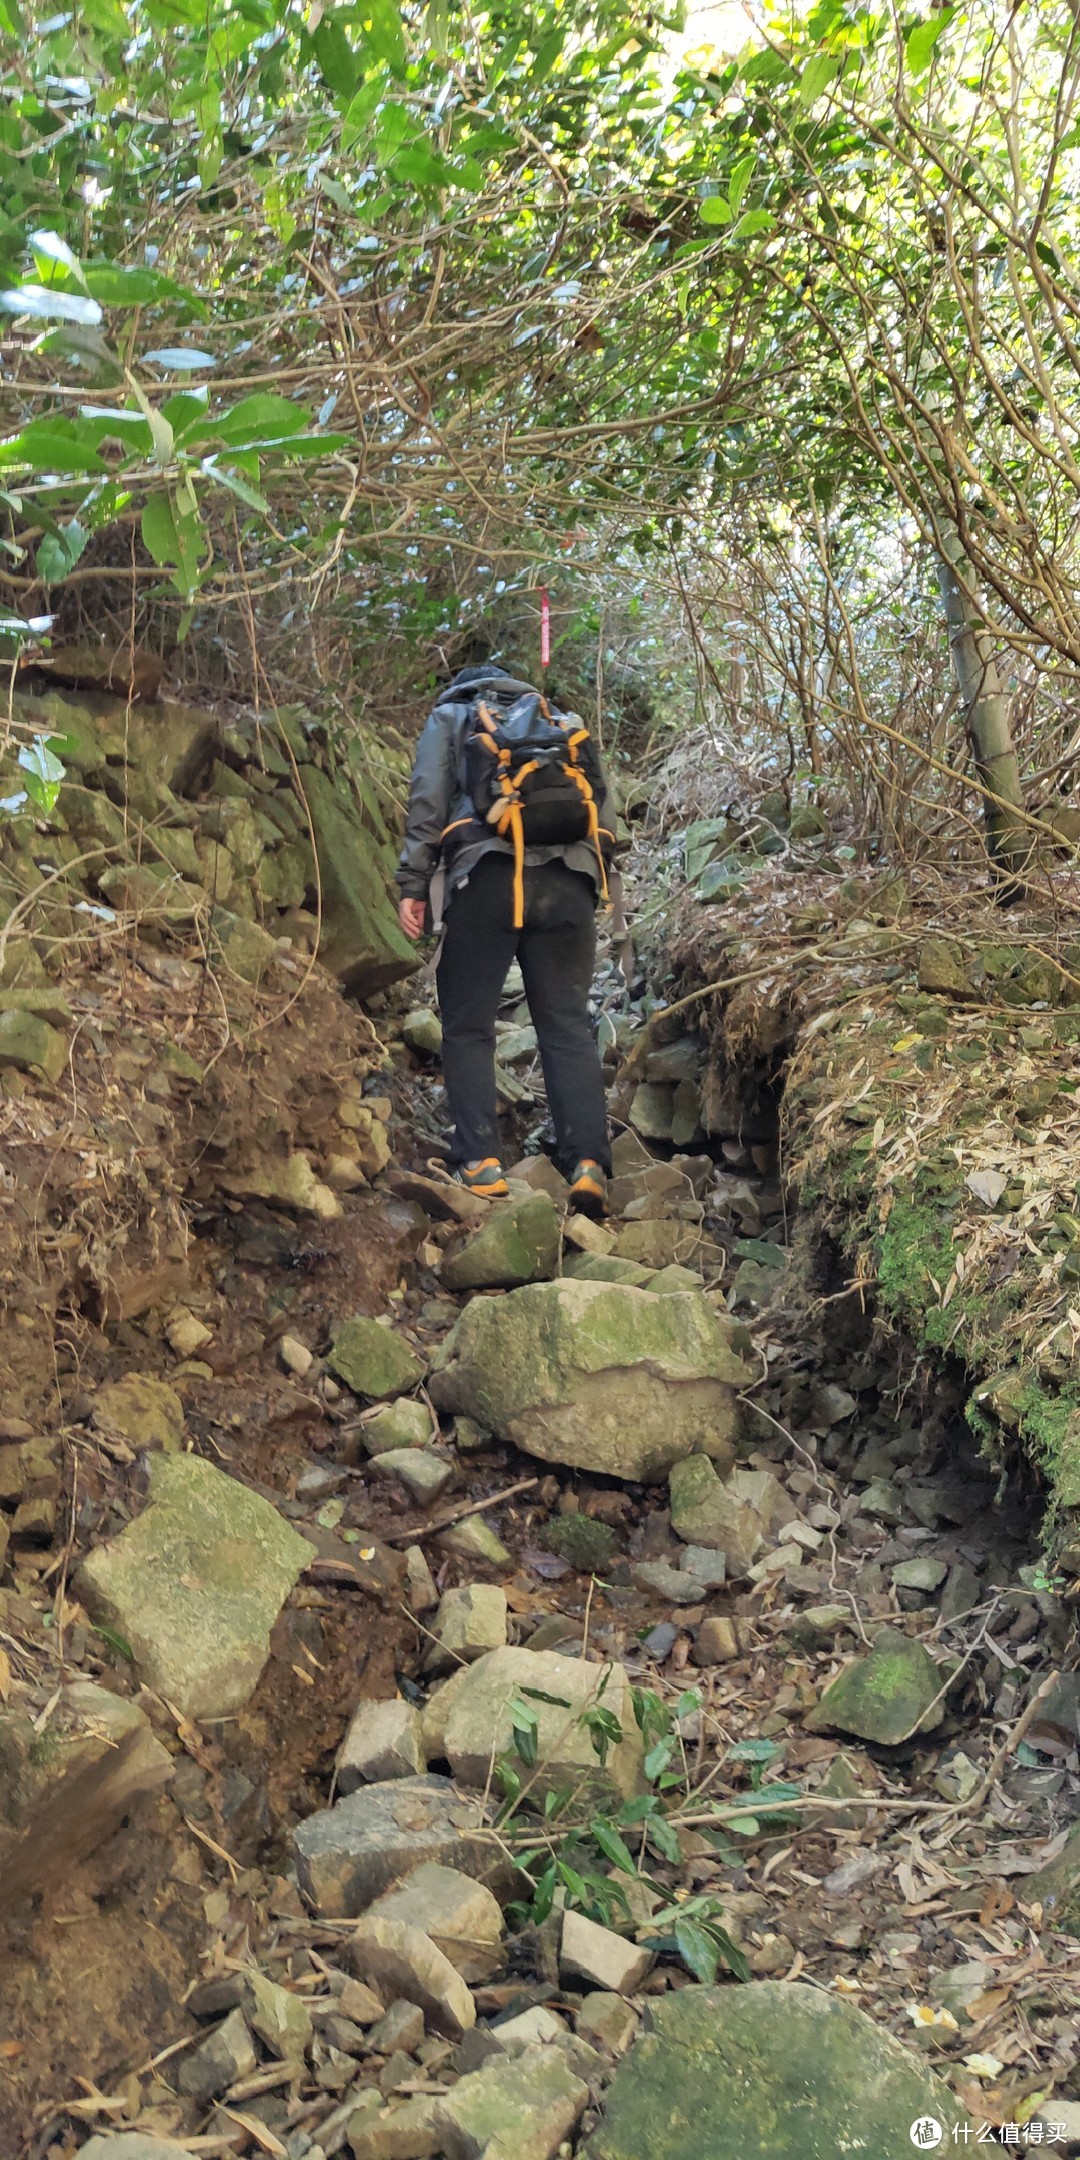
x,y
986,711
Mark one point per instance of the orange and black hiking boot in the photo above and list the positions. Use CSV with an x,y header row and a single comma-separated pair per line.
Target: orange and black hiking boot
x,y
588,1188
484,1177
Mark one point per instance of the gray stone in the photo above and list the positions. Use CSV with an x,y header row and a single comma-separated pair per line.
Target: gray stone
x,y
228,2054
925,1575
652,1110
518,1243
598,1955
288,1180
408,2130
347,1855
195,1584
460,1915
384,1740
517,2107
657,1244
885,1697
474,1539
539,1172
422,1030
708,1567
423,1473
470,1621
421,1594
373,1361
961,1985
1056,1887
468,1722
607,2021
246,948
674,1281
400,2031
882,1500
31,1045
401,1960
777,2070
538,2027
716,1642
721,1514
277,2017
659,1579
962,1593
401,1424
595,1375
145,1412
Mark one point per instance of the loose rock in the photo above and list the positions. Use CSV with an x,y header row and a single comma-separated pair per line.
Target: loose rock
x,y
607,2021
145,1412
470,1622
348,1854
384,1740
595,1375
421,1593
518,2107
468,1722
885,1697
715,1642
474,1539
373,1361
460,1915
404,1961
227,2055
715,1513
295,1356
518,1243
402,1424
409,2131
195,1585
423,1473
277,2017
599,1955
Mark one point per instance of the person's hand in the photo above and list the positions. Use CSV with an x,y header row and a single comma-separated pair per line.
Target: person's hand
x,y
411,915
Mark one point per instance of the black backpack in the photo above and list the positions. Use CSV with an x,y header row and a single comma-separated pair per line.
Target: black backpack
x,y
533,775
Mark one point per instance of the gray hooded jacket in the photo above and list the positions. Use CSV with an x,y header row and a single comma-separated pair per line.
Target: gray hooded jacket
x,y
438,797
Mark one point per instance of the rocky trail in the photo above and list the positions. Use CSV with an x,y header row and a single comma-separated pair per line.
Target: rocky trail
x,y
476,1682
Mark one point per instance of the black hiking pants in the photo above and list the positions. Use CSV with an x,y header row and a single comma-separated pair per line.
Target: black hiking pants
x,y
556,951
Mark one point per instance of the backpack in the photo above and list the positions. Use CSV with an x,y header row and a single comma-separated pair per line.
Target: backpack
x,y
533,776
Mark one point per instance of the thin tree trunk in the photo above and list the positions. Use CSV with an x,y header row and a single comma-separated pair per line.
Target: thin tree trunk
x,y
986,710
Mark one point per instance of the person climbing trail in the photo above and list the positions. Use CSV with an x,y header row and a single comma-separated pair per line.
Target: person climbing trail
x,y
510,831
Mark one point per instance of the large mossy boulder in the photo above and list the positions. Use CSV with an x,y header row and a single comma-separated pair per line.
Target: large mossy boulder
x,y
597,1376
781,2072
361,940
195,1584
517,1243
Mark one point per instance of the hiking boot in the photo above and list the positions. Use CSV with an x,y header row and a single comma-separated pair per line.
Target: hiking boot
x,y
588,1188
484,1177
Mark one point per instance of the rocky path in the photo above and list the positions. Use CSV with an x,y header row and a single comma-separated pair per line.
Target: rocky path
x,y
543,1674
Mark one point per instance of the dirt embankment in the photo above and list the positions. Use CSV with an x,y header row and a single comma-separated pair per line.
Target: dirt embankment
x,y
920,1049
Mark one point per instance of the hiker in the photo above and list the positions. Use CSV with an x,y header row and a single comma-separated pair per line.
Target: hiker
x,y
510,829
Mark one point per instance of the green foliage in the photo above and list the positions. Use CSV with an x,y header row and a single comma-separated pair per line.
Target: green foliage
x,y
568,1863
